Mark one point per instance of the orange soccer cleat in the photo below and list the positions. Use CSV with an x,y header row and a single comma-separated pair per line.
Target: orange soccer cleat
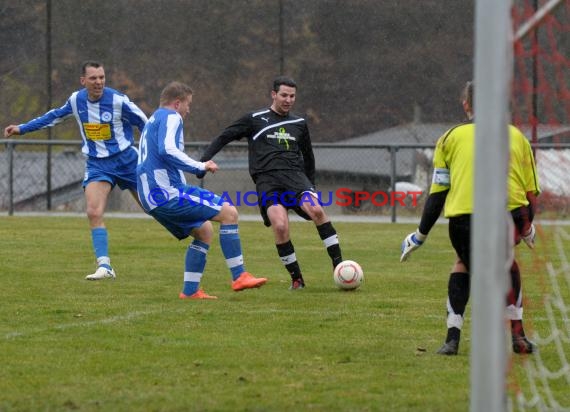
x,y
247,281
200,294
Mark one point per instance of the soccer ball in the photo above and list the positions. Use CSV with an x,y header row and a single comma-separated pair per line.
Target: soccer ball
x,y
348,275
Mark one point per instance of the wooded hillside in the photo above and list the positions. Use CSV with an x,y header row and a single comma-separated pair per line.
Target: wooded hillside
x,y
361,65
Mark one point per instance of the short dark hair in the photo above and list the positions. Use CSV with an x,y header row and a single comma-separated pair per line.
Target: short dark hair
x,y
467,94
174,91
283,81
90,63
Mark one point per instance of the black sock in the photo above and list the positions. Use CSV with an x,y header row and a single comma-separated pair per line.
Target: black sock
x,y
286,252
458,289
453,334
330,238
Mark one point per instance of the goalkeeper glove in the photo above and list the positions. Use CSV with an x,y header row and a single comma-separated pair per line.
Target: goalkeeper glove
x,y
411,243
529,237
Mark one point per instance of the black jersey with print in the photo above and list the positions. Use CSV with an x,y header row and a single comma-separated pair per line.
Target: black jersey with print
x,y
275,142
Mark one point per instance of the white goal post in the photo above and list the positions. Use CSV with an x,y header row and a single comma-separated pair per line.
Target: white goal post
x,y
493,71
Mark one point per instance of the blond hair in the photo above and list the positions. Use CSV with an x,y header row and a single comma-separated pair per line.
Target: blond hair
x,y
174,91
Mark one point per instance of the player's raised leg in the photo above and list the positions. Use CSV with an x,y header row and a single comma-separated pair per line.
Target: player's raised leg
x,y
324,226
330,239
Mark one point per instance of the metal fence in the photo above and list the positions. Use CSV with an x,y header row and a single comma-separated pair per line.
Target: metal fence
x,y
389,180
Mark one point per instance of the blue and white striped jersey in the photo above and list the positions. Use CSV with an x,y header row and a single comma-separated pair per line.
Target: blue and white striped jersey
x,y
162,160
106,125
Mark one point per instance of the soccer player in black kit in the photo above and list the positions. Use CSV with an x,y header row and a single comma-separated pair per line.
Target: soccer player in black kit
x,y
282,166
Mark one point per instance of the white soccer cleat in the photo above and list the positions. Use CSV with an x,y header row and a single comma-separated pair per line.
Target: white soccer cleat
x,y
101,273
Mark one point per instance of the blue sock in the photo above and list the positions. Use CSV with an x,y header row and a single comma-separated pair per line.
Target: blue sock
x,y
194,265
231,248
101,246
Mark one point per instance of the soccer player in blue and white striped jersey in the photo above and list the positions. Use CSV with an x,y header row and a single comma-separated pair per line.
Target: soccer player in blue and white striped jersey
x,y
106,119
186,210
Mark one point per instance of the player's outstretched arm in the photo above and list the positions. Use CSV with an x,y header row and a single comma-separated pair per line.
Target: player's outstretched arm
x,y
432,209
410,243
11,130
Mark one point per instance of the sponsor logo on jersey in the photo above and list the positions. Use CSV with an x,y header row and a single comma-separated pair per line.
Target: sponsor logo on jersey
x,y
97,131
282,137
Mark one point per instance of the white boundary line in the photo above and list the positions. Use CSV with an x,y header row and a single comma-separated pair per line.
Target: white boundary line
x,y
138,314
78,324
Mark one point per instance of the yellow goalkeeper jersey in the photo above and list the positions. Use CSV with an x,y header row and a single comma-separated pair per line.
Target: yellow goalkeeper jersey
x,y
454,164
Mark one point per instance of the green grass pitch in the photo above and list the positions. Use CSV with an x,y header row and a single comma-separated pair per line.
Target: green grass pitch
x,y
132,345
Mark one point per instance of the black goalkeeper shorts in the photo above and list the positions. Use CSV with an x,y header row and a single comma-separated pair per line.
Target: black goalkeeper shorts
x,y
460,231
460,236
288,188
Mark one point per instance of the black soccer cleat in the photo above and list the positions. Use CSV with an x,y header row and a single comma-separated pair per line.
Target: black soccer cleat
x,y
449,348
522,345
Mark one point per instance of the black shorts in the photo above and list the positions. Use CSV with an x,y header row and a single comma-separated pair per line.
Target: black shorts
x,y
460,231
288,188
460,236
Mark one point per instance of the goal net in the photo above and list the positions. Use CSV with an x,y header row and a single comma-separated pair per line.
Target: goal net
x,y
541,109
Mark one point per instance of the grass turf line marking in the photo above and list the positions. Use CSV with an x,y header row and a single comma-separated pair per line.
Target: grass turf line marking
x,y
134,315
113,319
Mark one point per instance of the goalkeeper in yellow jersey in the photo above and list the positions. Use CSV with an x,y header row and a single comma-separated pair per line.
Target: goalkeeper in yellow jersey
x,y
452,191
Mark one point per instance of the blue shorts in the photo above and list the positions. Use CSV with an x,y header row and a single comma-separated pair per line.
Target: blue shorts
x,y
119,169
182,214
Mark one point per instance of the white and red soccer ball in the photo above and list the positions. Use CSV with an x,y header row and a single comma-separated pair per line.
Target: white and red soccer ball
x,y
348,275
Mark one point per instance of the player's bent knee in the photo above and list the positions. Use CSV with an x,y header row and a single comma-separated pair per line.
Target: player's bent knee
x,y
280,227
279,219
228,215
317,214
204,233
